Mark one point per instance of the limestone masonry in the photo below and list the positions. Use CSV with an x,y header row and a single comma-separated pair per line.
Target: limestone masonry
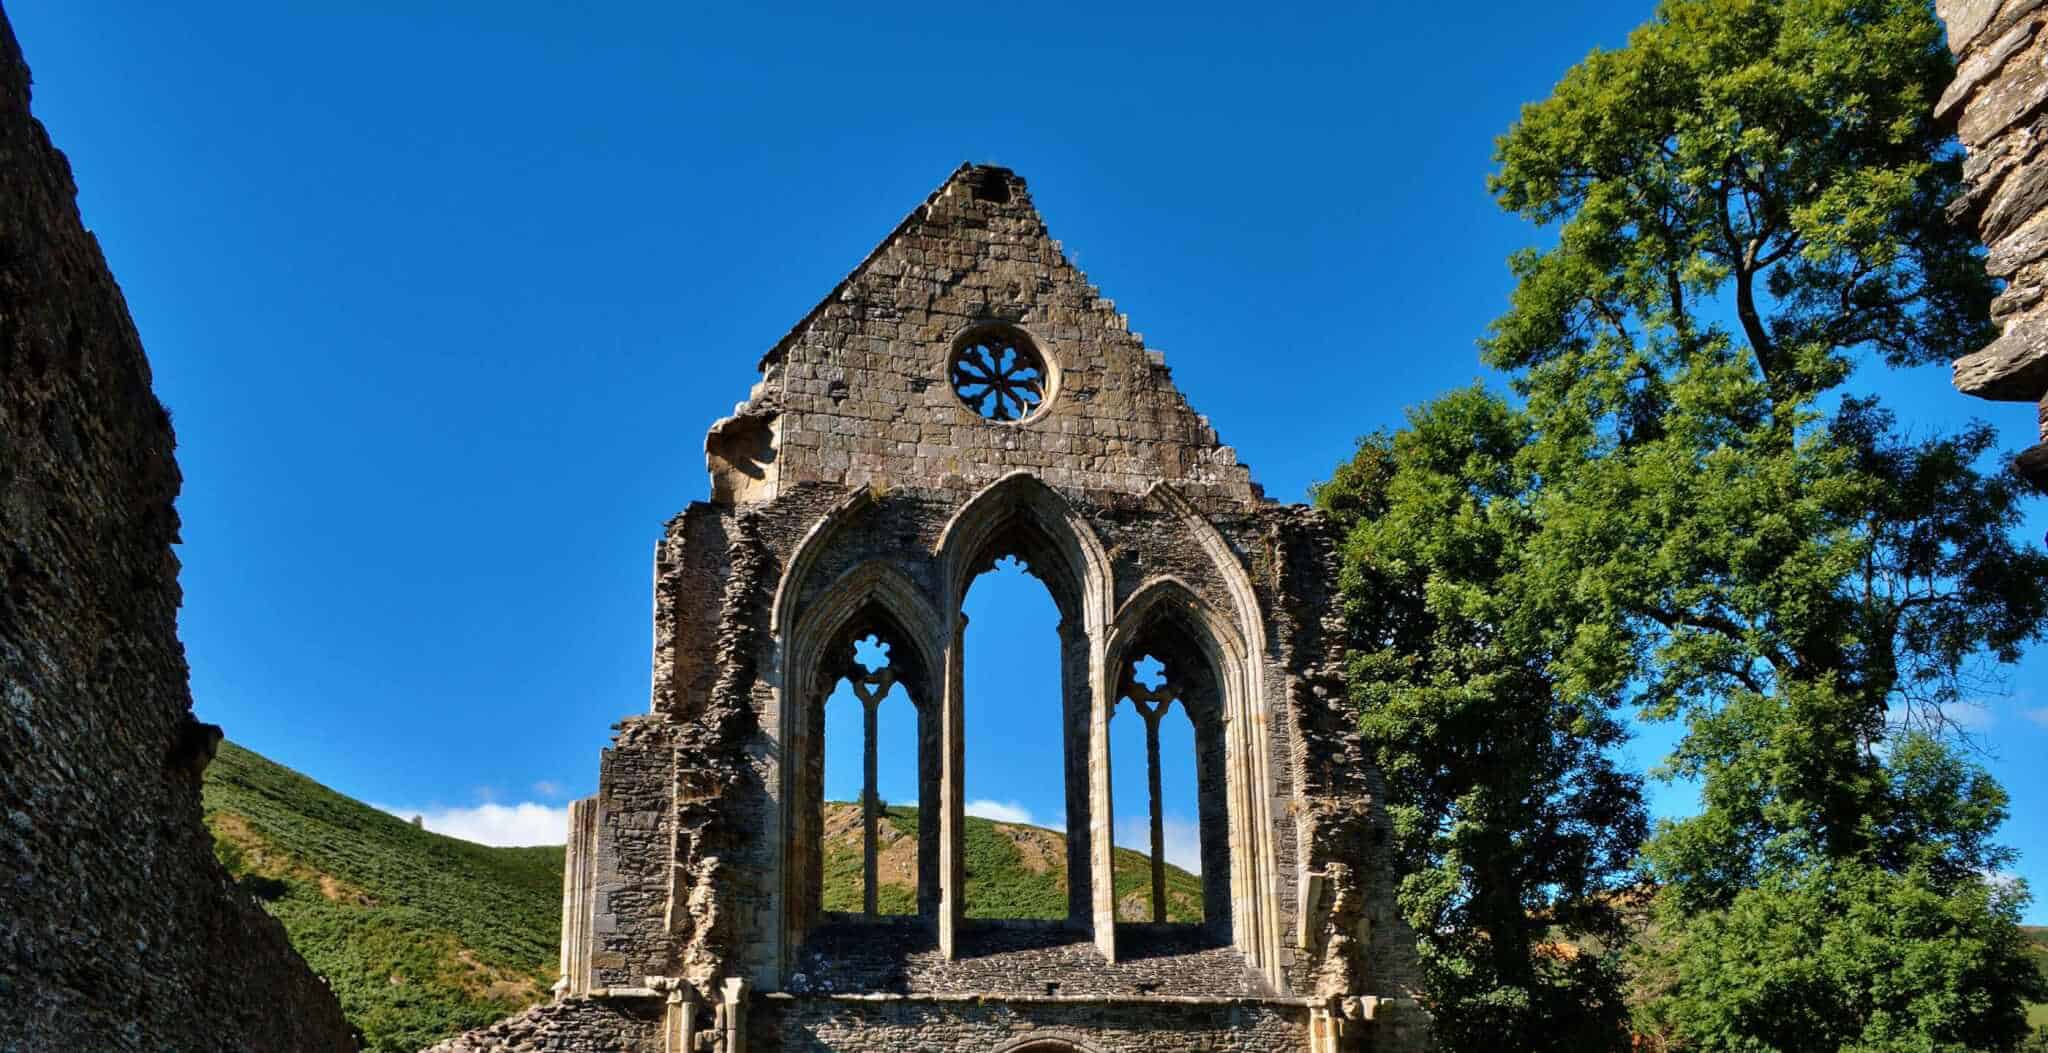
x,y
118,930
963,396
1999,106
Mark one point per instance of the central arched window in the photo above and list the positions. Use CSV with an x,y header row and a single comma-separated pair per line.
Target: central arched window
x,y
1026,575
1016,834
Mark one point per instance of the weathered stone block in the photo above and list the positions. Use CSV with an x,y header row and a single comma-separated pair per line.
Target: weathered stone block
x,y
2013,368
1981,66
2000,89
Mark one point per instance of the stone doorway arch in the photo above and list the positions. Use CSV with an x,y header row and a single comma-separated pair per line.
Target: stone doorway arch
x,y
1043,1044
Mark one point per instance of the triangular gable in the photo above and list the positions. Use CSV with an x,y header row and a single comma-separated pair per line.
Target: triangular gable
x,y
863,389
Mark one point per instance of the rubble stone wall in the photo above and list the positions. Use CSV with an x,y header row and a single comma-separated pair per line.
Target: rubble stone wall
x,y
1999,106
855,1024
118,930
797,1024
571,1025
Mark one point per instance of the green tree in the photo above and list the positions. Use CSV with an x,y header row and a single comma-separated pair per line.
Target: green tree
x,y
1906,948
1689,514
1515,830
1748,200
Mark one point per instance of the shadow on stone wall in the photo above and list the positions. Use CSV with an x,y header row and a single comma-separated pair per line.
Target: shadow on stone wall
x,y
118,930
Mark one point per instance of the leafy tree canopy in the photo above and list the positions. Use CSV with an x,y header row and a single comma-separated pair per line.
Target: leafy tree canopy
x,y
1516,830
1688,513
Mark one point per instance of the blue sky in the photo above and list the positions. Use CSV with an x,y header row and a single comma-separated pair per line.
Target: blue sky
x,y
444,300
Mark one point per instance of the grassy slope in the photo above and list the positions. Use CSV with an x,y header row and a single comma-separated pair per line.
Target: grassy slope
x,y
423,936
1000,883
420,935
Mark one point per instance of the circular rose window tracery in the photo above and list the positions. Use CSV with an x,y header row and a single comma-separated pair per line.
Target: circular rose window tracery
x,y
999,374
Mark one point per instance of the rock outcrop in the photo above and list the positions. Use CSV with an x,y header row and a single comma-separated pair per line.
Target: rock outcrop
x,y
1999,106
118,929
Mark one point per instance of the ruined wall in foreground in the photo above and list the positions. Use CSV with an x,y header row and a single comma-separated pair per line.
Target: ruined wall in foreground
x,y
1999,106
118,930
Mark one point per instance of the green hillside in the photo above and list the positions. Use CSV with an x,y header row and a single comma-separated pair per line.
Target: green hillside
x,y
1013,870
422,936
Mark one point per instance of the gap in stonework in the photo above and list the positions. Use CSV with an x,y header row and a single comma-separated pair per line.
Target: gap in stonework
x,y
1015,774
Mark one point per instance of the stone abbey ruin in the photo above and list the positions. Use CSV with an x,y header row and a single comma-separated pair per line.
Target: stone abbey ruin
x,y
962,397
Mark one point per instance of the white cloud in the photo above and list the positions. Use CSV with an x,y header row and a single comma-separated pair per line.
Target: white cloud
x,y
1001,811
1971,715
550,789
2038,714
525,823
1183,839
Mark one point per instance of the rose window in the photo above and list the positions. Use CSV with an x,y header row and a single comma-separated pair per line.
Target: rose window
x,y
999,375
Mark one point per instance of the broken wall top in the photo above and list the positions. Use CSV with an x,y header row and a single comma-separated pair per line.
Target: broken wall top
x,y
861,393
121,930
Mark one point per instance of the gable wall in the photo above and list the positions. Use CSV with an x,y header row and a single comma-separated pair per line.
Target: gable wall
x,y
861,384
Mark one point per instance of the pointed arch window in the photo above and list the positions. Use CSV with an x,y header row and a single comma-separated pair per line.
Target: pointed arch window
x,y
878,874
1168,676
863,663
1149,693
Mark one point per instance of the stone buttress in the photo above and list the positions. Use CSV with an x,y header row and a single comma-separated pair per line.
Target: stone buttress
x,y
964,396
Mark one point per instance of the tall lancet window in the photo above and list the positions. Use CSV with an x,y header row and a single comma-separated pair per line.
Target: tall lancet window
x,y
870,821
1157,821
1017,752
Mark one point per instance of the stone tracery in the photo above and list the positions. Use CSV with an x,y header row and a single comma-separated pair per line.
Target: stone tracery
x,y
1151,703
870,686
999,374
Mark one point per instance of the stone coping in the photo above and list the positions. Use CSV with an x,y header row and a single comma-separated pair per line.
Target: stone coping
x,y
980,998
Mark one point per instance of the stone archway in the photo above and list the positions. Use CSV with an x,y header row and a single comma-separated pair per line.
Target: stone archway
x,y
1043,1045
1020,515
873,598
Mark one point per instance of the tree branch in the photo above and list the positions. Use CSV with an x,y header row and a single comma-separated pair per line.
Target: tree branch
x,y
1714,623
